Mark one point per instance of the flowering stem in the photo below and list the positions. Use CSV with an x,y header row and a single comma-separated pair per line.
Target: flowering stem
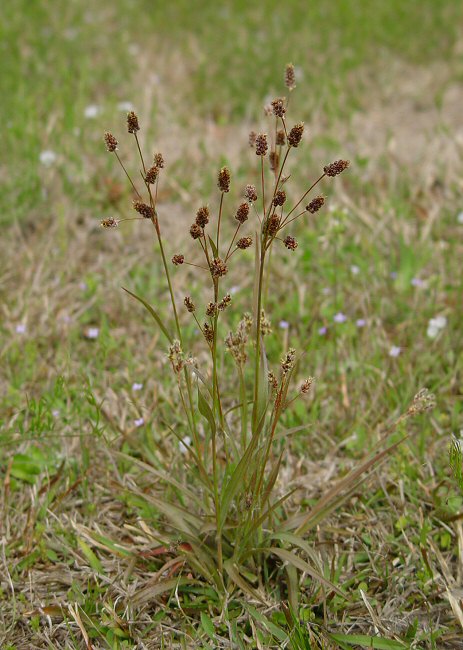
x,y
128,175
302,198
218,224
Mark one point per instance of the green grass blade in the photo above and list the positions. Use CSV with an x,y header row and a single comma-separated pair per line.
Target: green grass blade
x,y
365,641
153,313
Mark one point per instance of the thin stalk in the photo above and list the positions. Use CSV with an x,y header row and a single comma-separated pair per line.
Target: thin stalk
x,y
258,337
231,243
218,224
303,197
262,183
128,175
244,409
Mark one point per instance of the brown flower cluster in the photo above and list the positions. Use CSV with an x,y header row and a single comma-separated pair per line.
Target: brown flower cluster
x,y
290,243
144,209
111,142
223,180
242,213
218,268
261,144
335,168
178,259
132,122
315,204
295,135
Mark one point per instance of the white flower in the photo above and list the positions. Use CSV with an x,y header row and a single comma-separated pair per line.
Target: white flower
x,y
125,107
92,332
21,328
47,157
354,269
460,217
184,444
435,325
139,422
340,317
395,351
92,111
136,386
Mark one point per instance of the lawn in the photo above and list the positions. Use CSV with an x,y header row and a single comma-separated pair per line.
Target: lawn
x,y
371,298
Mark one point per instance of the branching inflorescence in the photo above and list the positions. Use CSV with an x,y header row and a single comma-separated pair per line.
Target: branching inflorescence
x,y
237,492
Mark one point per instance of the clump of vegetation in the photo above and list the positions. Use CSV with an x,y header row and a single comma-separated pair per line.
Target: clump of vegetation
x,y
224,516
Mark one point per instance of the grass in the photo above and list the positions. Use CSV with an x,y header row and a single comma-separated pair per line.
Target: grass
x,y
71,525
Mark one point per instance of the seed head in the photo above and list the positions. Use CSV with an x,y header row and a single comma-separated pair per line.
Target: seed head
x,y
202,216
290,77
265,324
290,243
252,139
279,198
109,223
111,142
250,193
307,385
196,231
189,304
244,242
159,160
223,180
272,380
144,209
218,268
281,138
224,303
132,122
261,144
178,259
242,212
422,402
278,106
211,309
236,341
337,167
176,356
287,363
315,204
274,160
208,332
272,225
295,135
151,175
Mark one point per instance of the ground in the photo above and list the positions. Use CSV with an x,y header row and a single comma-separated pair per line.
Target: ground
x,y
82,365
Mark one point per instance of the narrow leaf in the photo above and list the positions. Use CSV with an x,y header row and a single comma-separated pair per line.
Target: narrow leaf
x,y
365,641
302,565
206,411
153,313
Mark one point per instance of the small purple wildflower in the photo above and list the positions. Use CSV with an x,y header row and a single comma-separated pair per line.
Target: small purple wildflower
x,y
284,324
417,282
136,386
360,322
92,332
393,275
354,269
139,422
322,330
395,351
340,317
20,329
